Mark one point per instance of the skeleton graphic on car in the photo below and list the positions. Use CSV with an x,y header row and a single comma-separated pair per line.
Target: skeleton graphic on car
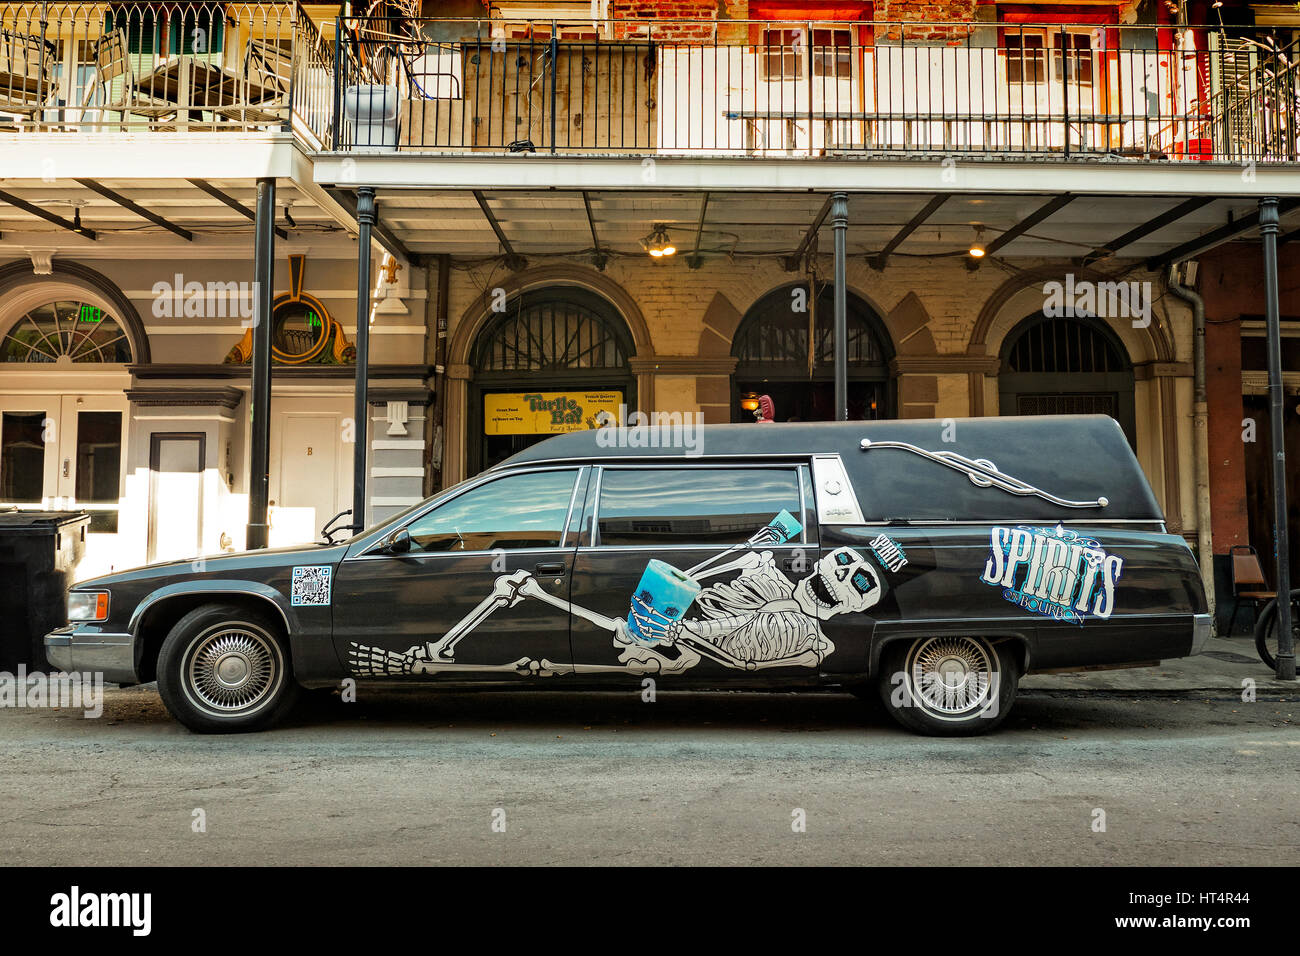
x,y
758,619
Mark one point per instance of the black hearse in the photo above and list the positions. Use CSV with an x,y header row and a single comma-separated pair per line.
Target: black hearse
x,y
930,562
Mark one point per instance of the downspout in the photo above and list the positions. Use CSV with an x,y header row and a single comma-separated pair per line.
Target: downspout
x,y
1200,432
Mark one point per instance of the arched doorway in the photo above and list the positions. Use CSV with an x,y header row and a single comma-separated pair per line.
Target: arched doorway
x,y
774,357
63,415
1066,366
550,362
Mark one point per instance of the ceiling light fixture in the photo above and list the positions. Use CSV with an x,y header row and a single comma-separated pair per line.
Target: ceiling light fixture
x,y
977,250
76,215
657,244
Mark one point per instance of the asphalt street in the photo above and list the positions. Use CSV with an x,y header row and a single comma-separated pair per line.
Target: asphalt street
x,y
438,777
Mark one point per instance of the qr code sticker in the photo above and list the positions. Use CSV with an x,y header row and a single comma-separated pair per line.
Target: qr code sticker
x,y
311,586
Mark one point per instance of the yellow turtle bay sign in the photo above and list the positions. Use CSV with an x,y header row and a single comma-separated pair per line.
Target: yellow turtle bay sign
x,y
548,413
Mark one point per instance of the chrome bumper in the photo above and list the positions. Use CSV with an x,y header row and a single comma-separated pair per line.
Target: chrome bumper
x,y
70,649
1202,624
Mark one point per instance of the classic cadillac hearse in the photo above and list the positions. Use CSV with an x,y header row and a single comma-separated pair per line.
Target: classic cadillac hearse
x,y
930,562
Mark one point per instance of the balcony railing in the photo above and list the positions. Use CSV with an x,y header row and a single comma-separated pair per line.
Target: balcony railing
x,y
765,88
650,87
135,66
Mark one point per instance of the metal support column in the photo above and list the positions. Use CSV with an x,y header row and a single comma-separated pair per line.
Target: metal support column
x,y
361,413
1268,229
840,223
259,399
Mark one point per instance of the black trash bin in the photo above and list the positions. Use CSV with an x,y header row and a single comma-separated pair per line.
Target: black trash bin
x,y
39,550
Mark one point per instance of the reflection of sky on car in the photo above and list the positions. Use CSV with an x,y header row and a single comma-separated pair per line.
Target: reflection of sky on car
x,y
516,503
652,492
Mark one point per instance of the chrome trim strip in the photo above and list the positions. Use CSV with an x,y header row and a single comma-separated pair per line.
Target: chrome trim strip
x,y
983,473
595,507
828,472
113,655
799,473
457,554
241,586
608,548
1067,522
573,496
632,465
615,460
1202,625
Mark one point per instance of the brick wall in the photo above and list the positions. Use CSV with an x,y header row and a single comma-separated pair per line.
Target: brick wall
x,y
959,11
626,13
1230,283
673,298
706,20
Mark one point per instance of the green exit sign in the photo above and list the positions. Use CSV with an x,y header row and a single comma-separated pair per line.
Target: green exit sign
x,y
90,313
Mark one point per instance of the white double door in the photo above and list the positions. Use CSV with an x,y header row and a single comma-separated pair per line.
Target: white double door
x,y
66,452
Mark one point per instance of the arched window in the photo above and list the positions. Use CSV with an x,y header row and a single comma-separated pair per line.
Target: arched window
x,y
559,343
1060,366
772,347
67,331
558,329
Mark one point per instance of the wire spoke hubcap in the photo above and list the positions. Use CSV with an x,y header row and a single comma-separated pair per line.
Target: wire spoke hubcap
x,y
233,669
951,676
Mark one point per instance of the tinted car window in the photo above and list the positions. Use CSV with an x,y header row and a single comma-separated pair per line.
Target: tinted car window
x,y
692,505
517,511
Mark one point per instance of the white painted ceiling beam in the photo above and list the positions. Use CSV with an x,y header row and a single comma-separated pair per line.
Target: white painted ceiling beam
x,y
775,175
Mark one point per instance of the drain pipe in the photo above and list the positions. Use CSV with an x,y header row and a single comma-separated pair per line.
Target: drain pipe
x,y
1200,432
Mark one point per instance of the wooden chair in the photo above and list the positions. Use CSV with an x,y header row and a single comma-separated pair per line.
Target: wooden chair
x,y
1248,581
27,83
262,93
120,89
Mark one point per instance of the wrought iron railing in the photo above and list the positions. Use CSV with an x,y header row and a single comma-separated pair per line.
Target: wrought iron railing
x,y
768,88
1256,108
650,87
130,66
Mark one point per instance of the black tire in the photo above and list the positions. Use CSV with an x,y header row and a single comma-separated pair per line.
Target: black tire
x,y
225,669
1266,629
948,685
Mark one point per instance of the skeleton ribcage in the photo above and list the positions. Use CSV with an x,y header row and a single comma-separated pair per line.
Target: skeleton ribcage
x,y
767,636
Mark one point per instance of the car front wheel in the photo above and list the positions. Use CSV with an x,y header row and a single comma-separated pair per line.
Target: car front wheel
x,y
225,669
949,685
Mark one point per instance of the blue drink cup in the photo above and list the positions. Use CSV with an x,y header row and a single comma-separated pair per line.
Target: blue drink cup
x,y
662,598
785,526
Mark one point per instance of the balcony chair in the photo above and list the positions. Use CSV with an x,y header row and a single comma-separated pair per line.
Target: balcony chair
x,y
262,91
119,86
26,77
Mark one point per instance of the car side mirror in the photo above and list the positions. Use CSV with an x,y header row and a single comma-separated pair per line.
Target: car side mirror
x,y
399,543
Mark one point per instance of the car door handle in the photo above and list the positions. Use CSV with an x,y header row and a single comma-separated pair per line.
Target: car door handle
x,y
556,568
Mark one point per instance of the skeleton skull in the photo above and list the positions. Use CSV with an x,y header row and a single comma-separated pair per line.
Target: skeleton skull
x,y
841,582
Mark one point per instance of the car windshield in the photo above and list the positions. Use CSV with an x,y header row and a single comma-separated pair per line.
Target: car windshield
x,y
405,512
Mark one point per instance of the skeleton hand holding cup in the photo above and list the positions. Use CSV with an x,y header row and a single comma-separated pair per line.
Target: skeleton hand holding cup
x,y
665,594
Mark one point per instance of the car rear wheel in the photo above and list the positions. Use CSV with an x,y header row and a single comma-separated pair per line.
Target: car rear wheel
x,y
948,685
225,669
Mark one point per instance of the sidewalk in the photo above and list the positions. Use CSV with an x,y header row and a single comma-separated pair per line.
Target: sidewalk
x,y
1220,667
